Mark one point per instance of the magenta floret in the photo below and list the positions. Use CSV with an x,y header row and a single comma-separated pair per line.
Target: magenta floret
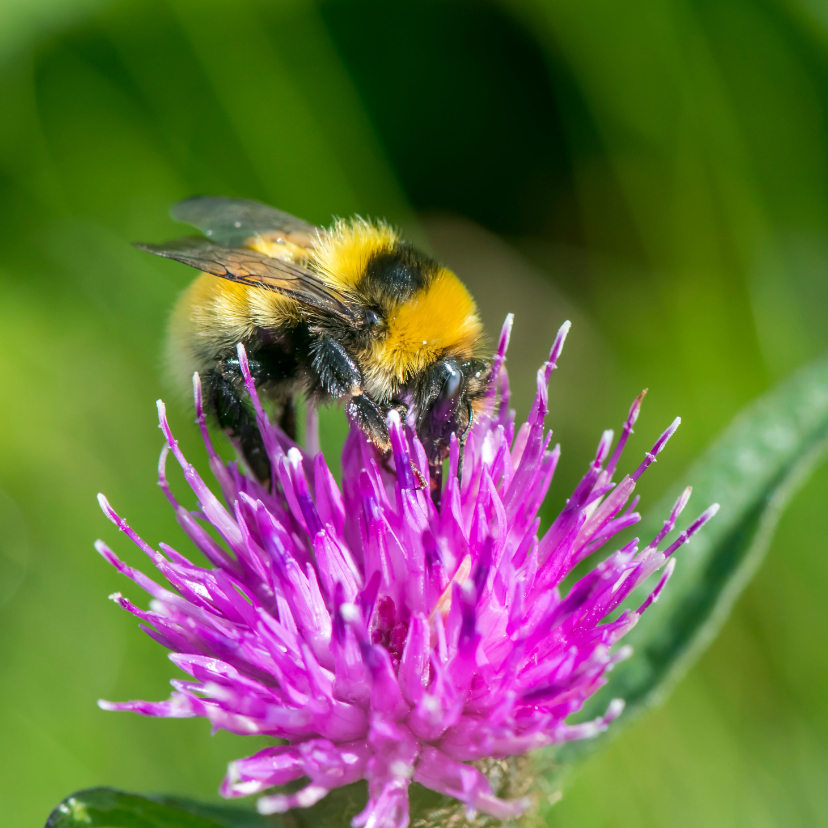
x,y
382,638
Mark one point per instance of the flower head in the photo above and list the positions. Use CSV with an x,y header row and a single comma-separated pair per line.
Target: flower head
x,y
381,638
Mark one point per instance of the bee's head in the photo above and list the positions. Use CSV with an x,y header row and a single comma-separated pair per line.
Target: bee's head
x,y
416,333
446,401
414,313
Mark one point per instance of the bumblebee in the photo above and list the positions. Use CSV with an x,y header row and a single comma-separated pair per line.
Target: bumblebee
x,y
348,313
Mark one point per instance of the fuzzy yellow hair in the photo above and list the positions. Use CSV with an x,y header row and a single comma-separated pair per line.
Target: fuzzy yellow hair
x,y
343,252
441,319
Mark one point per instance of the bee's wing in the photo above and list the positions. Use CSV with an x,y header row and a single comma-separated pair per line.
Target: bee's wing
x,y
233,222
253,268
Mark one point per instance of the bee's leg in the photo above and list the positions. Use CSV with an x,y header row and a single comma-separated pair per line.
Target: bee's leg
x,y
402,410
370,418
339,375
224,396
287,417
435,483
336,370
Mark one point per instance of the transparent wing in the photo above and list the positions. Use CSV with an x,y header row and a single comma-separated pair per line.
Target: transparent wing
x,y
253,268
233,222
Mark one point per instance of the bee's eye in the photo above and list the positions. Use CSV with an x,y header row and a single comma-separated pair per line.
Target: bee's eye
x,y
452,388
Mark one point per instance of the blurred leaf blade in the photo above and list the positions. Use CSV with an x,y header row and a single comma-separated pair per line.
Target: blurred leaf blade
x,y
753,469
109,808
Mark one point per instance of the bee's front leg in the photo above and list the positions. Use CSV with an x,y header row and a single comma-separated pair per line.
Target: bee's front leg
x,y
337,372
370,419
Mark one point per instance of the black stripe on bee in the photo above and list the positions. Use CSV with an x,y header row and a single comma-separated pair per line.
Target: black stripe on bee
x,y
398,273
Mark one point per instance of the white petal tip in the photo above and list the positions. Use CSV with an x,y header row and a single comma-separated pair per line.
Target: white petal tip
x,y
615,709
349,612
266,807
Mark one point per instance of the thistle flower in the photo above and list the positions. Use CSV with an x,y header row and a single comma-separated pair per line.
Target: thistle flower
x,y
381,638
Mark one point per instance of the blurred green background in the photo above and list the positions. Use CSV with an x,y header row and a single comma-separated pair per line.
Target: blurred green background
x,y
655,170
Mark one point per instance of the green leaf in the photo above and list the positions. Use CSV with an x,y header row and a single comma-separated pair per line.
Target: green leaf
x,y
108,808
752,470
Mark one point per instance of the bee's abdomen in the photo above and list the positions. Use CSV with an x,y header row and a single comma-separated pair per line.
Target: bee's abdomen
x,y
213,315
